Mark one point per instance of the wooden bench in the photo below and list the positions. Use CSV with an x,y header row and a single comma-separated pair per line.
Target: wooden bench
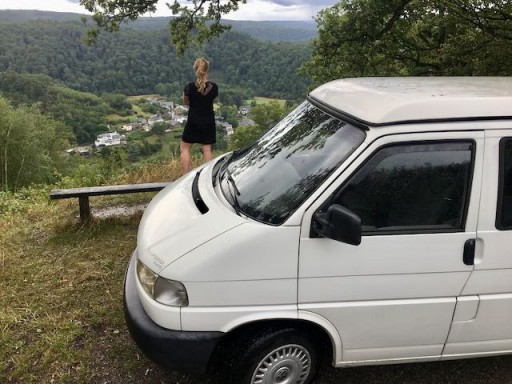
x,y
84,193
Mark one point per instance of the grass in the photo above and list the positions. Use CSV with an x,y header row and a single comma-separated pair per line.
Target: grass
x,y
266,100
61,284
138,97
117,118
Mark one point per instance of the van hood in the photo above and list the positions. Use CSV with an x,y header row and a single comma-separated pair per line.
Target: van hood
x,y
173,225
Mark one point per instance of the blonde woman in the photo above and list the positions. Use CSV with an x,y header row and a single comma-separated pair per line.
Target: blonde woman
x,y
200,127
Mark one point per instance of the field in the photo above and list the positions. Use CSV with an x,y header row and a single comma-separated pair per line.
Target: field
x,y
128,119
266,100
138,97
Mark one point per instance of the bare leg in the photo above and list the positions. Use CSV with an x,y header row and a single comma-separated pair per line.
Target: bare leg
x,y
185,157
207,152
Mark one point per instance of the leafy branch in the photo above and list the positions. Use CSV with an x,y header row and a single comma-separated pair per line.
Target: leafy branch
x,y
195,22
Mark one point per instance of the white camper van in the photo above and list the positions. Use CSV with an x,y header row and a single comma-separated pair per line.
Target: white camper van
x,y
372,225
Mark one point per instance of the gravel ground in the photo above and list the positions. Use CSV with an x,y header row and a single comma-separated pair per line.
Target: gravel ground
x,y
494,370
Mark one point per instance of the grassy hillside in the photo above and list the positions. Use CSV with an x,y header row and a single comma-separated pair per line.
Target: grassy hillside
x,y
61,287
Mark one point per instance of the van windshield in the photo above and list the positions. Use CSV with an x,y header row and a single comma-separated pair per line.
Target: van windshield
x,y
271,178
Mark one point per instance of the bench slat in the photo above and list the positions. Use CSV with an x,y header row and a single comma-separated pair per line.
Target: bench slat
x,y
106,190
84,193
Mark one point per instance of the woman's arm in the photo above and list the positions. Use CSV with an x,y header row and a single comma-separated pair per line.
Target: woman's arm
x,y
186,100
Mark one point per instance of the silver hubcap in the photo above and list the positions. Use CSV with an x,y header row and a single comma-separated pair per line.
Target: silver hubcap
x,y
289,364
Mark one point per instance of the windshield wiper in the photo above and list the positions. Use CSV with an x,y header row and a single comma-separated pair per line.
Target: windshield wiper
x,y
232,181
234,193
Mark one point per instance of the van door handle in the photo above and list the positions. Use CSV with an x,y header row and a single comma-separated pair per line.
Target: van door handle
x,y
469,252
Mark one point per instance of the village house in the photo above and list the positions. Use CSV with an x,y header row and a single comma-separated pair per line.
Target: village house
x,y
169,105
82,151
245,110
180,110
130,127
155,119
108,139
227,126
152,121
179,119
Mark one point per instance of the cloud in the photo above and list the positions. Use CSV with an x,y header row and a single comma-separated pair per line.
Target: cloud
x,y
252,10
280,9
53,5
311,3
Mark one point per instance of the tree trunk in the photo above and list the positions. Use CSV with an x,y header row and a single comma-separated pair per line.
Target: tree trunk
x,y
6,185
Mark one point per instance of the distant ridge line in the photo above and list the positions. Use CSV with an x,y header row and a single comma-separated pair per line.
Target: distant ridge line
x,y
265,30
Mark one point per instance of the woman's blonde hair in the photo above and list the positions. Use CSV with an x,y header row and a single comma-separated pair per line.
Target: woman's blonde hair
x,y
201,68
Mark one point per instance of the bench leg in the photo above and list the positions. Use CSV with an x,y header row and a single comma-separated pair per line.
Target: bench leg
x,y
85,211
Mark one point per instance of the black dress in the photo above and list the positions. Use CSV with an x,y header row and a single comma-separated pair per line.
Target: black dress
x,y
200,127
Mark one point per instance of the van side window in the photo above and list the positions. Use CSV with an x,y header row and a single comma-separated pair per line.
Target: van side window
x,y
411,188
504,212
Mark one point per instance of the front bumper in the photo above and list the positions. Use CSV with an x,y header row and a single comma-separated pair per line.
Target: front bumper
x,y
175,350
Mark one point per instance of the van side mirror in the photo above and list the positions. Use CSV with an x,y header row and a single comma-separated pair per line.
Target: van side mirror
x,y
338,223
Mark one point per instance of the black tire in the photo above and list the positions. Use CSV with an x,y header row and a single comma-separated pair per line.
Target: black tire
x,y
273,356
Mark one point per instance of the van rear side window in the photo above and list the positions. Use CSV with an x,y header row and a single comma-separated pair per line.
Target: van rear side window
x,y
504,212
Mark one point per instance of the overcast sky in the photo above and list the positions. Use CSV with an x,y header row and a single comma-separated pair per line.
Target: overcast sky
x,y
253,10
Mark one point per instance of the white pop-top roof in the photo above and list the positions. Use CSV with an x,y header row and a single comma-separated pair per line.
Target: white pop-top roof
x,y
383,100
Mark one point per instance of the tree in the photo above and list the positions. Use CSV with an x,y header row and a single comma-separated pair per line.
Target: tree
x,y
265,116
118,102
134,62
148,149
84,113
234,96
221,139
29,146
193,23
159,128
133,153
112,161
230,114
244,135
412,37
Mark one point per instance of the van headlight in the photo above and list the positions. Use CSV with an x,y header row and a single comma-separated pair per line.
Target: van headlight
x,y
162,290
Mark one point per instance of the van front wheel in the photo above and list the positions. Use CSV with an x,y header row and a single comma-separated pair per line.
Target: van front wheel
x,y
282,356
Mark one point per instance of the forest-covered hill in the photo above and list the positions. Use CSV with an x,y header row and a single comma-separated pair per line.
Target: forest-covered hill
x,y
140,61
285,30
82,113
